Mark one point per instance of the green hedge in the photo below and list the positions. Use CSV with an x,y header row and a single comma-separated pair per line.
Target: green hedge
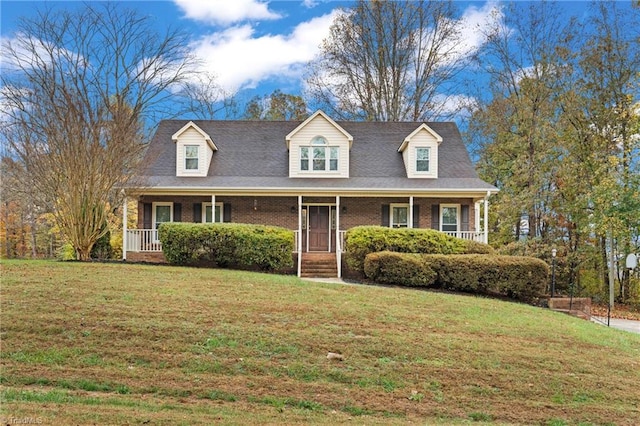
x,y
407,269
363,240
227,245
516,277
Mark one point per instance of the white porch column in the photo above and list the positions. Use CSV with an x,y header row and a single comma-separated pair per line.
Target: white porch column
x,y
410,218
338,246
124,227
476,210
213,209
486,218
299,235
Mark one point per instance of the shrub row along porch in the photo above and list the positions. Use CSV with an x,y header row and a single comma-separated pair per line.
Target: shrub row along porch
x,y
319,223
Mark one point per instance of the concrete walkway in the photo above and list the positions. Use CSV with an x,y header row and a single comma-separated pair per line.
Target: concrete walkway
x,y
621,324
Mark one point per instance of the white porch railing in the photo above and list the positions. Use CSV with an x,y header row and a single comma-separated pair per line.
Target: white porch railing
x,y
143,240
295,241
468,235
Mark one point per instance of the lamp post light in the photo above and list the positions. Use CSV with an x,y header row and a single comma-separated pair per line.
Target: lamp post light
x,y
553,272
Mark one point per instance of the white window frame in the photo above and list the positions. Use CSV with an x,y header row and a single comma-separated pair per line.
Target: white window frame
x,y
197,158
398,205
458,216
316,143
154,223
213,217
429,150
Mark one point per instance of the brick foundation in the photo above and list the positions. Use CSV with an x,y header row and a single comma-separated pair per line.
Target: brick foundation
x,y
146,256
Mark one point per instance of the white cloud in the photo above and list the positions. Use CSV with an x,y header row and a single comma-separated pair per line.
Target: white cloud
x,y
309,3
240,60
226,12
475,23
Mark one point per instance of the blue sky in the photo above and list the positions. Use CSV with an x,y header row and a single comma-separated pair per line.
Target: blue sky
x,y
256,46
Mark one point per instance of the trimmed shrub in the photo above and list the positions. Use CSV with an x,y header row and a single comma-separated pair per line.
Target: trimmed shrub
x,y
227,245
362,240
406,269
102,248
515,277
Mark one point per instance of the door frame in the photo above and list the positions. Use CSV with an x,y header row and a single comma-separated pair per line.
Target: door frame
x,y
305,206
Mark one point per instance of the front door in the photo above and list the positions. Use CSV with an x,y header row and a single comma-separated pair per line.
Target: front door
x,y
318,228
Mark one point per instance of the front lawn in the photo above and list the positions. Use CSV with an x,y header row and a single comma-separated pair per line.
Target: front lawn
x,y
86,343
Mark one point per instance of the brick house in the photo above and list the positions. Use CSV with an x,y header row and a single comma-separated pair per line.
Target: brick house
x,y
318,178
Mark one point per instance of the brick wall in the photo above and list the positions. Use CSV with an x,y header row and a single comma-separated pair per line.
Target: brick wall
x,y
277,211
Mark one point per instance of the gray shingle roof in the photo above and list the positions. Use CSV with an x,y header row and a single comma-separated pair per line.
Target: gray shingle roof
x,y
253,154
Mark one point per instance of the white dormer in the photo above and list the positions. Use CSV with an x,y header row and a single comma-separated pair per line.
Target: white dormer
x,y
420,153
319,147
194,150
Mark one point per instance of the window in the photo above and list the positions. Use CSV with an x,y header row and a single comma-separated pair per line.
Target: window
x,y
191,157
449,218
162,212
422,159
316,156
399,215
207,215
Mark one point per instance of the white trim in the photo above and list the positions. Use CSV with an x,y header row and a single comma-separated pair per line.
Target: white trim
x,y
430,161
192,125
197,158
458,216
299,236
410,213
486,218
124,227
423,126
154,205
213,213
310,119
397,205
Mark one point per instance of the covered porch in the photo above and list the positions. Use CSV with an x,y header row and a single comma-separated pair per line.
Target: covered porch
x,y
319,222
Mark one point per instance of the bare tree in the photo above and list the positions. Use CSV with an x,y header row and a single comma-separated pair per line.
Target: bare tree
x,y
388,61
205,99
77,89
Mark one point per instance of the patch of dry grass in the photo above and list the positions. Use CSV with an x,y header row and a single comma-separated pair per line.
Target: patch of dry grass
x,y
117,343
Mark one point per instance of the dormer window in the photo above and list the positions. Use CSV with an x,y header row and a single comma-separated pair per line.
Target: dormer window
x,y
422,159
191,157
319,156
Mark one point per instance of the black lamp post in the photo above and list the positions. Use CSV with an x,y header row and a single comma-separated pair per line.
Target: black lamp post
x,y
553,272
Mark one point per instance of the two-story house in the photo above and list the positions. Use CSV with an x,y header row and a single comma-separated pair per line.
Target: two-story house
x,y
318,177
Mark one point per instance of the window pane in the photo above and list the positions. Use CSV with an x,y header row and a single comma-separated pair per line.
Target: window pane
x,y
450,219
163,214
304,158
191,163
400,217
333,158
422,159
218,214
318,140
207,214
319,162
191,151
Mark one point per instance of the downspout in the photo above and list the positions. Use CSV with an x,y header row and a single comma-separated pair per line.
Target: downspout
x,y
299,236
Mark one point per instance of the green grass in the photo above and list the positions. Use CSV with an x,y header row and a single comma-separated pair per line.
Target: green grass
x,y
118,343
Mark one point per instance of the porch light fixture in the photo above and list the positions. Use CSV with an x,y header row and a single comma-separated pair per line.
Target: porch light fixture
x,y
294,209
344,209
255,204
